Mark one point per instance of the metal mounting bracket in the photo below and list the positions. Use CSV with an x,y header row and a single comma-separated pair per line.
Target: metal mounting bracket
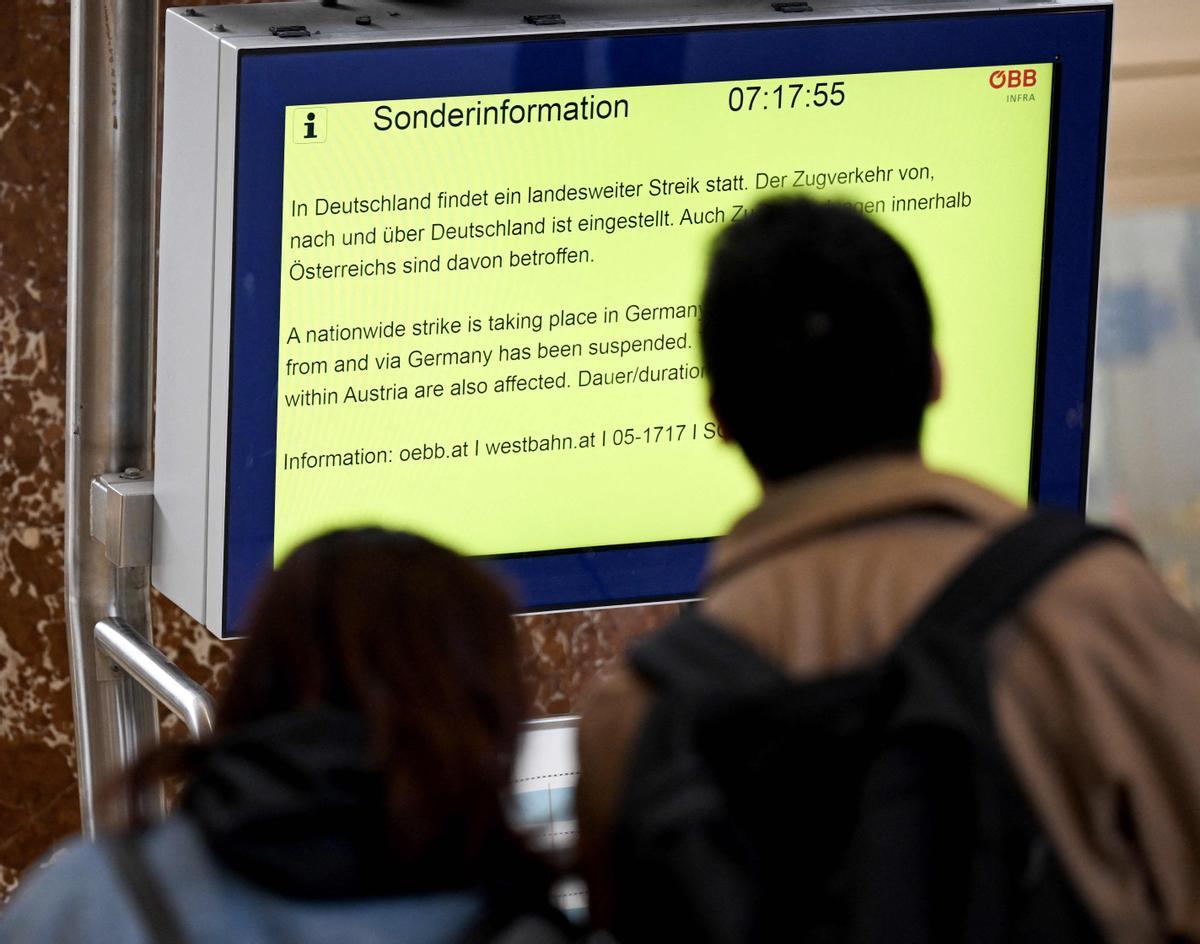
x,y
122,516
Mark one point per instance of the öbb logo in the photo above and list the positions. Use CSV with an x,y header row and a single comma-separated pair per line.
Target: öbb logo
x,y
1013,78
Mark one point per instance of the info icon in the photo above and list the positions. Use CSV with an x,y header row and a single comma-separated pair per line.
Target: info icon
x,y
308,125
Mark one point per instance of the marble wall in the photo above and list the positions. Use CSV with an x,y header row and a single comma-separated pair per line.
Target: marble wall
x,y
38,795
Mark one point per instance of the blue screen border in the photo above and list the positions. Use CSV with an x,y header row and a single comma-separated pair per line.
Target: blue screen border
x,y
1077,40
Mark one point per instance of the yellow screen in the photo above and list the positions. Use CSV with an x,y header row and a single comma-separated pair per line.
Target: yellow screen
x,y
488,312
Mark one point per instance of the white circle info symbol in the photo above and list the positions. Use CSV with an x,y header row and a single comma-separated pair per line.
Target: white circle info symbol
x,y
308,125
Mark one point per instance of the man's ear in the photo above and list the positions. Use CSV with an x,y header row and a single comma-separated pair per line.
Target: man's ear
x,y
935,378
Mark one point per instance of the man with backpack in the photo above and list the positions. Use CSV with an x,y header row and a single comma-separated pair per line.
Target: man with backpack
x,y
906,710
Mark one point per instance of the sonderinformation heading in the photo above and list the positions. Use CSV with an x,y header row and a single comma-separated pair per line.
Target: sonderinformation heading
x,y
587,107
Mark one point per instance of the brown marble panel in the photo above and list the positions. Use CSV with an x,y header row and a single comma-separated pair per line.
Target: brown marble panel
x,y
38,796
562,652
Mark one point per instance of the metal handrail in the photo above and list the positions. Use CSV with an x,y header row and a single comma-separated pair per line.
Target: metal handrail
x,y
179,694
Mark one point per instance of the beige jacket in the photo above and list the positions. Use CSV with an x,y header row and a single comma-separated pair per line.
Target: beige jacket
x,y
1096,680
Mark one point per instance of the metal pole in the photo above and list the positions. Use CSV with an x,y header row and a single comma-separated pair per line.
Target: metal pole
x,y
110,276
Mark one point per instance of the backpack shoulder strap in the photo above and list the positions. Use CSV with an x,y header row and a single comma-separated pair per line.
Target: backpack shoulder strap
x,y
150,902
1008,568
693,655
954,624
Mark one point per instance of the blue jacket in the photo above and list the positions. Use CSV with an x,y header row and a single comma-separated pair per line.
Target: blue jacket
x,y
79,896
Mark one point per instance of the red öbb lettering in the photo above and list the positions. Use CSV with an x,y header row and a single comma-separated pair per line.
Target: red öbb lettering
x,y
1013,78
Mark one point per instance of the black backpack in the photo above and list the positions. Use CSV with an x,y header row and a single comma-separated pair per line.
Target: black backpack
x,y
870,806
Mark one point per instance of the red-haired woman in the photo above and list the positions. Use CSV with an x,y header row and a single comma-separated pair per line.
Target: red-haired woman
x,y
354,790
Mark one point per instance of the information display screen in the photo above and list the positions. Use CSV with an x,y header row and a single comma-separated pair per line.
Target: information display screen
x,y
467,275
488,304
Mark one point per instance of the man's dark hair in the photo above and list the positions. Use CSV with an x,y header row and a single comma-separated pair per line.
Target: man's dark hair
x,y
817,337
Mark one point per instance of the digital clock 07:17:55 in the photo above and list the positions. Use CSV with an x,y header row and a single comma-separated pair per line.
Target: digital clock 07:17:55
x,y
791,95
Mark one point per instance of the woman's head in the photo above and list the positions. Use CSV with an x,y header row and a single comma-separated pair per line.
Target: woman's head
x,y
417,641
411,635
419,644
